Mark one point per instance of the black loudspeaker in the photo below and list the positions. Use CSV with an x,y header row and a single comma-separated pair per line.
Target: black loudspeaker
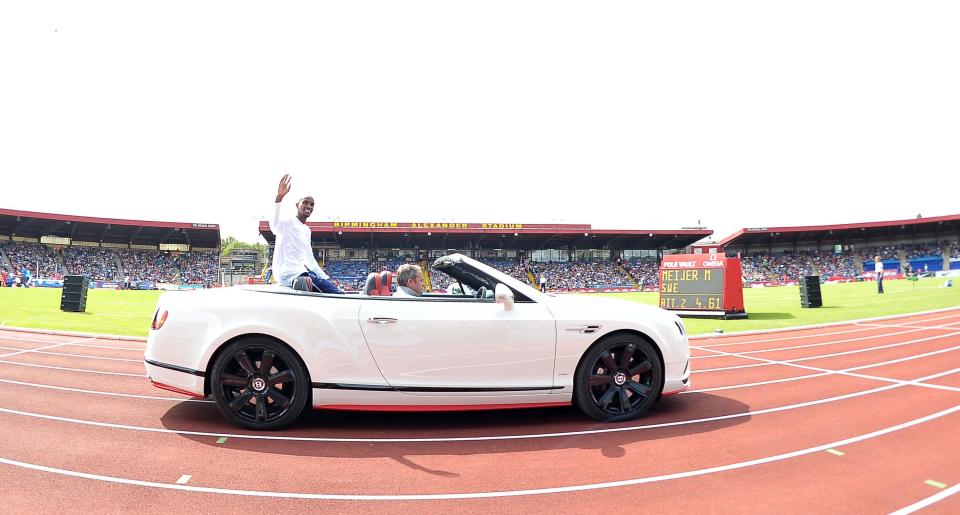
x,y
75,280
810,292
74,296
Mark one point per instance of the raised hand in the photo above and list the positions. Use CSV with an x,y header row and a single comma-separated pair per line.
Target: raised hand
x,y
284,187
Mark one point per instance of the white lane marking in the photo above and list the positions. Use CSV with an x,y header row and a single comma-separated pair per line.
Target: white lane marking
x,y
504,493
86,338
183,479
72,369
851,322
798,337
928,501
34,340
946,327
847,373
37,349
98,336
24,351
97,392
805,404
106,347
831,372
769,362
79,355
761,351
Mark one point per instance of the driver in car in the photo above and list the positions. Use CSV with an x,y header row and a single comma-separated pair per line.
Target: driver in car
x,y
409,281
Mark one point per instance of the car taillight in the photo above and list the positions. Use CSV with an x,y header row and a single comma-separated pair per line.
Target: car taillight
x,y
159,318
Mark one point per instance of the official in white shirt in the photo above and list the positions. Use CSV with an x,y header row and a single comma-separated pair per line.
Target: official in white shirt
x,y
292,253
878,268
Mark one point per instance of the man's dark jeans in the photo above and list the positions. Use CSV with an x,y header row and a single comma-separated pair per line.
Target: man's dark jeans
x,y
321,285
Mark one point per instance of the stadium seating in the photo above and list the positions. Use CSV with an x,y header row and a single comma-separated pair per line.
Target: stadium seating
x,y
94,263
347,274
202,268
582,275
39,260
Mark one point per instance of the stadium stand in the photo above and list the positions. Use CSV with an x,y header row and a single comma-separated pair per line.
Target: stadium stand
x,y
105,250
39,260
146,265
198,267
389,265
645,272
349,275
829,265
439,281
93,262
518,271
574,275
108,250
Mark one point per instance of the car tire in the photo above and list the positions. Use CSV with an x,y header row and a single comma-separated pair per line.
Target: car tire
x,y
258,383
619,378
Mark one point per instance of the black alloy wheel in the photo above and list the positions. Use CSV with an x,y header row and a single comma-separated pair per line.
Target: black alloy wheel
x,y
619,378
259,384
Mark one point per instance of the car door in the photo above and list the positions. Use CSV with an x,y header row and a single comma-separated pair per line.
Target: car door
x,y
431,346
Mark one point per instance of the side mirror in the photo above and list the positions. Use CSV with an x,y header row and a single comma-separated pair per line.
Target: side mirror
x,y
504,296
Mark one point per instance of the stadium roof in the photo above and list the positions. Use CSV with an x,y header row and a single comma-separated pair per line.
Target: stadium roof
x,y
935,226
30,224
446,235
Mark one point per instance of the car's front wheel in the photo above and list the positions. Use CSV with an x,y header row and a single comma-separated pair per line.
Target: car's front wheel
x,y
258,383
619,378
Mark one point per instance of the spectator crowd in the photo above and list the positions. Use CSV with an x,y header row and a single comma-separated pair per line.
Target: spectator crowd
x,y
22,261
109,265
582,274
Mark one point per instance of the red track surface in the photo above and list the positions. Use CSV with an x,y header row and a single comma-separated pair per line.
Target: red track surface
x,y
730,445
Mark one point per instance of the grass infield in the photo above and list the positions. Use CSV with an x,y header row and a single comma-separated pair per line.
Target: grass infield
x,y
779,307
129,312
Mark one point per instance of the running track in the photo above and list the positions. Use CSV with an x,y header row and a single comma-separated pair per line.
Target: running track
x,y
856,418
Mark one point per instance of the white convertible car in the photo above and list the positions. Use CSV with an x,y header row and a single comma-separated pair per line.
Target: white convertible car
x,y
265,352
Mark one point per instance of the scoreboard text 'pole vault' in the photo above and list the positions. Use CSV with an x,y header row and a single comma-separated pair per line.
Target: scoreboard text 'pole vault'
x,y
702,285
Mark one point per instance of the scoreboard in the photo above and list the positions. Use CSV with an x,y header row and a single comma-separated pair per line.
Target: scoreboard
x,y
702,285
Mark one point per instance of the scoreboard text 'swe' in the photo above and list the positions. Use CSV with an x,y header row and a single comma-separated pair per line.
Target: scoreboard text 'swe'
x,y
702,285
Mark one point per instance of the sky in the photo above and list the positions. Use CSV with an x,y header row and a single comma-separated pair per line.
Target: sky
x,y
623,115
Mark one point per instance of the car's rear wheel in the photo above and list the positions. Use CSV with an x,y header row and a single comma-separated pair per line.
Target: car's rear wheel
x,y
258,383
619,378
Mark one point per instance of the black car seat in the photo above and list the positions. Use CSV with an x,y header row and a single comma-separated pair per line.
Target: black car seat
x,y
302,283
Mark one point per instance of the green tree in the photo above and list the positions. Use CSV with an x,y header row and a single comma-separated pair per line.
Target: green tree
x,y
229,244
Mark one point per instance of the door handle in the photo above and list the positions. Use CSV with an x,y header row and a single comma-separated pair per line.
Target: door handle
x,y
381,320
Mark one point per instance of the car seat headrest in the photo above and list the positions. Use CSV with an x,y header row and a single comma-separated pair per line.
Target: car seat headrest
x,y
302,283
386,280
371,286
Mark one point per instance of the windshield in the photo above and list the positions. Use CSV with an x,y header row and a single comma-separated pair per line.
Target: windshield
x,y
460,278
457,279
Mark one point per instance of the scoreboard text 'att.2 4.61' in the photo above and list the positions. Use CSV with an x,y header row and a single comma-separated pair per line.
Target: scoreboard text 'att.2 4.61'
x,y
702,285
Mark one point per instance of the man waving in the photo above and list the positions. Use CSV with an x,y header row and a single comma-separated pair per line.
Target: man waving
x,y
292,253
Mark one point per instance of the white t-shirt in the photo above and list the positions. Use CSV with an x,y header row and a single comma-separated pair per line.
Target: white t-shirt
x,y
292,254
878,267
